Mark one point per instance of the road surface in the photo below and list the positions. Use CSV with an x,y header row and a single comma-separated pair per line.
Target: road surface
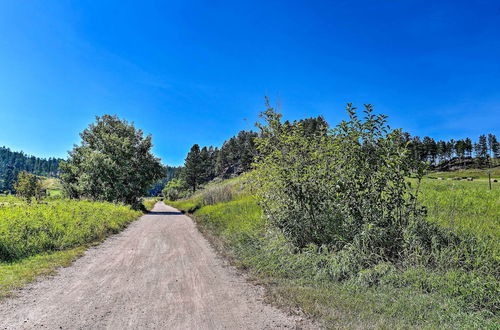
x,y
159,273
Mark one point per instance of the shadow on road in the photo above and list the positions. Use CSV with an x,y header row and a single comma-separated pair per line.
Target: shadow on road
x,y
164,213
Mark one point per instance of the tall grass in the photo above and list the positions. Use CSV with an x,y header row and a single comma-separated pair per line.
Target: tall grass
x,y
481,174
150,202
384,296
27,230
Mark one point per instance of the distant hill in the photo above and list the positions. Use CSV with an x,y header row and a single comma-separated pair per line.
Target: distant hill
x,y
12,162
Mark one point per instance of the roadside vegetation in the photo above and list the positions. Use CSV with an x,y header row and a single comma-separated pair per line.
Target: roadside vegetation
x,y
52,221
384,296
331,221
37,238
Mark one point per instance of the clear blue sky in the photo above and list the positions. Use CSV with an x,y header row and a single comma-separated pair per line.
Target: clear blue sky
x,y
197,72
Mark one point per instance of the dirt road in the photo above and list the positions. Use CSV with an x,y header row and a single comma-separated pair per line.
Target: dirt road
x,y
160,273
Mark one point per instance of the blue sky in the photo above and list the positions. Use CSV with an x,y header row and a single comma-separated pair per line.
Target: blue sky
x,y
197,71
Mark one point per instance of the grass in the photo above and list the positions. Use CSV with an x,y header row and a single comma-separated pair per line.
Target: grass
x,y
465,207
27,230
149,202
381,297
481,174
36,239
14,275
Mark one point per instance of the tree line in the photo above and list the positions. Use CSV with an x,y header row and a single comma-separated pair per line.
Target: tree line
x,y
235,157
453,154
203,164
13,162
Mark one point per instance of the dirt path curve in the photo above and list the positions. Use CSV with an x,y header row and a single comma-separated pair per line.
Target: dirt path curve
x,y
160,273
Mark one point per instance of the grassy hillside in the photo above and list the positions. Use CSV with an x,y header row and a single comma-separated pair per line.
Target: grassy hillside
x,y
469,173
36,239
53,186
382,297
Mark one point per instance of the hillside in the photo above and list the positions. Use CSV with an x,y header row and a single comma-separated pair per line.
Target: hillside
x,y
13,162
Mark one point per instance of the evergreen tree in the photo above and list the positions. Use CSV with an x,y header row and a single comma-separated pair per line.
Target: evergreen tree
x,y
481,149
493,146
193,168
13,162
460,149
468,146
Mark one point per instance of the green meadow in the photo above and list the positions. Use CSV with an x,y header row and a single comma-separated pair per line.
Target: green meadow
x,y
386,296
37,238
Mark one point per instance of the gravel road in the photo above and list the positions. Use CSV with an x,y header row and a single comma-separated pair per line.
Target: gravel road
x,y
159,273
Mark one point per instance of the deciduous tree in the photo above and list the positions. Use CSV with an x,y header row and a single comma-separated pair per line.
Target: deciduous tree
x,y
113,163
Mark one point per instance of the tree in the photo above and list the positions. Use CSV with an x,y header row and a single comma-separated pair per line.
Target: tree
x,y
113,163
481,149
193,168
460,150
236,155
206,166
430,148
468,146
441,150
29,186
493,146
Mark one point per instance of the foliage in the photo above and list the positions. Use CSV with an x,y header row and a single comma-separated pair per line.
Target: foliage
x,y
454,154
236,155
193,169
173,189
29,186
382,296
113,163
12,162
149,203
345,190
170,174
27,230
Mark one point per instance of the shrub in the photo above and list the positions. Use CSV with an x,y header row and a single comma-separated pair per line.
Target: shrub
x,y
345,189
29,186
173,189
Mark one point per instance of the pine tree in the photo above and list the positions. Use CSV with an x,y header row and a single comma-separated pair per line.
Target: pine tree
x,y
193,168
460,150
481,149
493,146
468,146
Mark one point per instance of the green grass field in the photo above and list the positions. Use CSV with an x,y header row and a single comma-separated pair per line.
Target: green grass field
x,y
36,238
481,174
381,297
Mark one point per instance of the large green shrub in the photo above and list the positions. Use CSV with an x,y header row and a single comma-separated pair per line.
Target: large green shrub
x,y
344,189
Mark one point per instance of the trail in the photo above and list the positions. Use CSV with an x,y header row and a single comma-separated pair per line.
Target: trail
x,y
159,273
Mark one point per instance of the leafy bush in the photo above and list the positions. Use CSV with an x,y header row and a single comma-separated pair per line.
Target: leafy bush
x,y
29,186
173,189
26,230
345,189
